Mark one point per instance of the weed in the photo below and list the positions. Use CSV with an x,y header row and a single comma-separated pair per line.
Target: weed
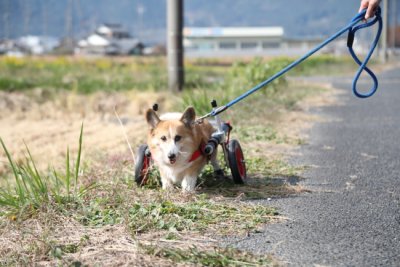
x,y
195,216
239,78
33,190
160,212
257,133
215,257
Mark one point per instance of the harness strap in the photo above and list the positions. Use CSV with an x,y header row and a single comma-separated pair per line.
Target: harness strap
x,y
198,153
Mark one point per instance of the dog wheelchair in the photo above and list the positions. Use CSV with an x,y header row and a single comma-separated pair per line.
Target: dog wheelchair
x,y
233,154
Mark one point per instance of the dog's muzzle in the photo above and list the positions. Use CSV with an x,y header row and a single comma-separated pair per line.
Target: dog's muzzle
x,y
172,158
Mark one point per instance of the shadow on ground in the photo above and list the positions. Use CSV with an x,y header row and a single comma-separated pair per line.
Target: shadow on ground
x,y
256,187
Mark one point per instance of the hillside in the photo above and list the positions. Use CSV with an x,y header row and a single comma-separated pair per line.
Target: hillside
x,y
146,19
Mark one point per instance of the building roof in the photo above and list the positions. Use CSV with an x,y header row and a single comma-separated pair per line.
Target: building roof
x,y
96,40
233,32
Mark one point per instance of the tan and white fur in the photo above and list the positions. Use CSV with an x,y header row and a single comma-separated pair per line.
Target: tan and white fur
x,y
172,140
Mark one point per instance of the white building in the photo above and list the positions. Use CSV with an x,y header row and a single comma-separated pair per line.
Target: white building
x,y
231,40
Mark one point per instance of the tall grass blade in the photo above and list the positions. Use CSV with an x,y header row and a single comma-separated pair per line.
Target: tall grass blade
x,y
68,173
19,189
9,159
32,161
56,188
78,160
8,199
42,186
29,180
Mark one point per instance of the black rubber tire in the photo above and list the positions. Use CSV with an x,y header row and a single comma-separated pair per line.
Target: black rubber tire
x,y
236,162
142,165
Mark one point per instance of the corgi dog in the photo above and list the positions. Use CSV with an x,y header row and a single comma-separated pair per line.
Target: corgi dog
x,y
175,142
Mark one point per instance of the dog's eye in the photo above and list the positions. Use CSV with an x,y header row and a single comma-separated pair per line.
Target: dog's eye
x,y
178,138
164,138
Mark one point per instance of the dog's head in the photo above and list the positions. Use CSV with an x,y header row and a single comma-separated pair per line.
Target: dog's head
x,y
171,136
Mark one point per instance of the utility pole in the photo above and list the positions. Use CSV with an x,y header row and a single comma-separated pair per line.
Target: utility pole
x,y
175,44
384,54
394,24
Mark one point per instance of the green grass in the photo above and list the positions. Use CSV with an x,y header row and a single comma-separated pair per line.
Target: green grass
x,y
238,79
243,76
197,216
91,75
215,257
167,212
84,76
33,190
116,74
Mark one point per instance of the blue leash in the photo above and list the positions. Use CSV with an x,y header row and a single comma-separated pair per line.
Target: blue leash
x,y
352,29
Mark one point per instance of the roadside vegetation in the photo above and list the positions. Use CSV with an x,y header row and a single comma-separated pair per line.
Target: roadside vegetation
x,y
123,74
91,212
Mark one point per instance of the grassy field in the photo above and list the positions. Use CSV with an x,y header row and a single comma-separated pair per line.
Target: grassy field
x,y
67,194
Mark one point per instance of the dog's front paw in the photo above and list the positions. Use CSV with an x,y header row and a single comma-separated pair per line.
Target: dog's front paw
x,y
189,184
167,184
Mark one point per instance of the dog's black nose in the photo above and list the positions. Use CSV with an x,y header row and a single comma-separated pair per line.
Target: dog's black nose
x,y
171,156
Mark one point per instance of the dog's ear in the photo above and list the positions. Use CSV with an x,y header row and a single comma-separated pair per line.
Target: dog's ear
x,y
152,118
188,117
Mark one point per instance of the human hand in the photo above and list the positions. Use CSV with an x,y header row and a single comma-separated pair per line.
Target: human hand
x,y
371,6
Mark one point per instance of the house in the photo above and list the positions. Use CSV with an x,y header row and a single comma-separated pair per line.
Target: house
x,y
109,39
36,45
9,47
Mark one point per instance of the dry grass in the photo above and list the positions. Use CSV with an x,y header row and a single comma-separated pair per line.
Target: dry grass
x,y
119,224
59,240
50,126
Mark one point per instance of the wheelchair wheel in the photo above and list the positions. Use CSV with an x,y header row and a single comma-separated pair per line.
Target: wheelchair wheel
x,y
142,165
236,162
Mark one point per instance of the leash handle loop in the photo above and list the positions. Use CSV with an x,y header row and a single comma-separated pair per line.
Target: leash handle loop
x,y
363,64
